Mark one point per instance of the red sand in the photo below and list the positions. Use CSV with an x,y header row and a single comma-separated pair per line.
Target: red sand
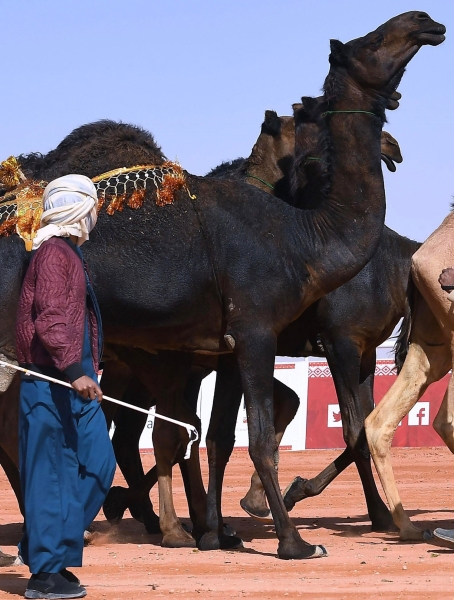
x,y
126,562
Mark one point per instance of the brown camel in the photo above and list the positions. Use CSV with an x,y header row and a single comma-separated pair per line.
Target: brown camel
x,y
430,356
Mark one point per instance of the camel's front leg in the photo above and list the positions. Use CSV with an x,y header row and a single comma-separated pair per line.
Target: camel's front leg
x,y
382,423
256,353
286,403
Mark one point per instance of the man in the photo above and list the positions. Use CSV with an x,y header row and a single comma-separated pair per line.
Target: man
x,y
66,458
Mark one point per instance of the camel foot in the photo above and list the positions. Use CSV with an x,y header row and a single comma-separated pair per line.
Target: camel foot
x,y
384,523
294,492
213,541
179,539
115,504
228,530
298,549
428,535
262,515
142,511
411,534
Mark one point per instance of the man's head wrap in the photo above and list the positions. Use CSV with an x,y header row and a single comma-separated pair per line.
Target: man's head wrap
x,y
70,208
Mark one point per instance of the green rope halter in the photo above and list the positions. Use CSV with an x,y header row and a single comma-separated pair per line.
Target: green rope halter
x,y
333,112
261,180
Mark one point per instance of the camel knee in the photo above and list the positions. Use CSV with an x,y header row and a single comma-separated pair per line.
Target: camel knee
x,y
379,439
355,439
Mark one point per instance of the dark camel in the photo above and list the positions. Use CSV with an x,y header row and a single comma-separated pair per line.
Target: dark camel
x,y
228,294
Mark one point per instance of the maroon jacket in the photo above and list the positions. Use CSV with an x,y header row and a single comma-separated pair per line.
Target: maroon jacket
x,y
52,309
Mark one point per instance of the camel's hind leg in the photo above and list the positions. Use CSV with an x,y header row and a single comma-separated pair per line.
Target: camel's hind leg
x,y
427,361
444,421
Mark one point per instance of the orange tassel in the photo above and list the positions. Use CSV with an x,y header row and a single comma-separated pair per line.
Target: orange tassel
x,y
137,199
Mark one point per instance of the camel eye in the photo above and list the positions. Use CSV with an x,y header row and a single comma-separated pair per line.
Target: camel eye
x,y
422,15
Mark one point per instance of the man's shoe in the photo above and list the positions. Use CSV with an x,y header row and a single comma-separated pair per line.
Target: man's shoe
x,y
70,576
53,586
444,534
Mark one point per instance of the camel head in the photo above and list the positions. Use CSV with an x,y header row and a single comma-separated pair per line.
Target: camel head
x,y
272,154
310,165
376,62
277,138
390,151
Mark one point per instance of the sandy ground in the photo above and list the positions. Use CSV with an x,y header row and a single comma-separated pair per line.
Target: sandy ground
x,y
126,562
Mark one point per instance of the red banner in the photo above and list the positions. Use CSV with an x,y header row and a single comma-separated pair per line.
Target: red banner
x,y
324,424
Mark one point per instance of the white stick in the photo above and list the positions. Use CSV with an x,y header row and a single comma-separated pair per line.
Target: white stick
x,y
192,431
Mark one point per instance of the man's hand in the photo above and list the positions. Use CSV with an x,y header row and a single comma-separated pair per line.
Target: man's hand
x,y
87,388
446,279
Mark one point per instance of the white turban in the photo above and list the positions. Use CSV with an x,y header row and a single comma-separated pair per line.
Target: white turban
x,y
70,207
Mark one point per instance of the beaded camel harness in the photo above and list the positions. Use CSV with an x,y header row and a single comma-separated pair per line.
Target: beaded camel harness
x,y
21,207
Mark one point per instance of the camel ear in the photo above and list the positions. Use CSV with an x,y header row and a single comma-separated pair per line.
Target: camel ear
x,y
338,55
299,113
309,108
272,123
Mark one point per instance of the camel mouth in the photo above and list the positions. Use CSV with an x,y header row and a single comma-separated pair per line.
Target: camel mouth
x,y
432,36
388,162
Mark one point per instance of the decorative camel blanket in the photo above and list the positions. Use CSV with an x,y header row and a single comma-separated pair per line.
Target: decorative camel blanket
x,y
21,207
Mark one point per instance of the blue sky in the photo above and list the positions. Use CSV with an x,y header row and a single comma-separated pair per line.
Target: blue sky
x,y
199,74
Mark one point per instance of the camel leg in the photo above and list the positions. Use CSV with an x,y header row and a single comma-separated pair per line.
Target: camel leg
x,y
190,469
165,440
353,377
9,436
12,473
444,420
422,367
173,369
220,440
255,353
118,381
286,404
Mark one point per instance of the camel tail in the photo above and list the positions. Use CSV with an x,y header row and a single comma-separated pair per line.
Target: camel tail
x,y
403,338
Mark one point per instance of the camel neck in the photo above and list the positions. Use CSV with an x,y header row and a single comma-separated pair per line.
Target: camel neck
x,y
348,220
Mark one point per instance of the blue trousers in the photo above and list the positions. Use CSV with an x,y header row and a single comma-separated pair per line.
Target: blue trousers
x,y
67,466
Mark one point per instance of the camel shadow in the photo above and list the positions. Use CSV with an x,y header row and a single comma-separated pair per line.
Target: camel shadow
x,y
13,583
10,534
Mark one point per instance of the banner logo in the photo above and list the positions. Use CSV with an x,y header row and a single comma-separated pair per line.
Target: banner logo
x,y
334,416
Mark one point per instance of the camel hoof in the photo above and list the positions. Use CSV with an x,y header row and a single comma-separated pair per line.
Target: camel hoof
x,y
294,492
230,542
213,541
384,525
115,504
305,552
264,516
209,541
152,525
411,535
178,541
428,535
228,530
